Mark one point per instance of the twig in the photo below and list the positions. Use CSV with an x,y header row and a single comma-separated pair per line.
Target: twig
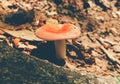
x,y
107,53
108,41
90,37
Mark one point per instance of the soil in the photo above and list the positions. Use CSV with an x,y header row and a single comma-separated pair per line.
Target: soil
x,y
96,51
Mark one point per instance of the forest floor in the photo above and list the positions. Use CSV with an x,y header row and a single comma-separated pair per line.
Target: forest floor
x,y
96,51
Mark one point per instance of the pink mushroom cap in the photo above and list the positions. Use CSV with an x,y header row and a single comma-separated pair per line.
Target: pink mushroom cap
x,y
50,32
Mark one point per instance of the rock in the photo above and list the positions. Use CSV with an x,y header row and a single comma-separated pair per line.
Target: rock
x,y
18,68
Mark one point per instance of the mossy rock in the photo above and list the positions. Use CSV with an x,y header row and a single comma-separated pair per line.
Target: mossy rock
x,y
18,68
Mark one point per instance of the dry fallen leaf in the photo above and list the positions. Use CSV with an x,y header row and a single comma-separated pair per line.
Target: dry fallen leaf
x,y
5,26
101,63
2,37
16,41
1,32
116,48
51,21
66,19
51,13
27,47
24,34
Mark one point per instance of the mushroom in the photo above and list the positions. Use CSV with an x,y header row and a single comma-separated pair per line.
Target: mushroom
x,y
58,33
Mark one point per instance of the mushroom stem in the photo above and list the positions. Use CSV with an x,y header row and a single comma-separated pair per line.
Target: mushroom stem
x,y
60,47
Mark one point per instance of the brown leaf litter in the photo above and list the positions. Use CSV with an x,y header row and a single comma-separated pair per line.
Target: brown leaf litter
x,y
96,51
